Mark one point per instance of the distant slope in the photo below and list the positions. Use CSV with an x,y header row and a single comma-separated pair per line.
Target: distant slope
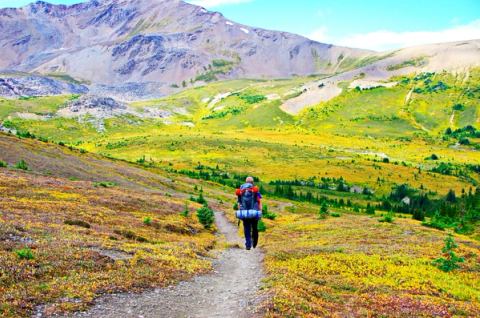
x,y
114,42
427,103
51,159
453,57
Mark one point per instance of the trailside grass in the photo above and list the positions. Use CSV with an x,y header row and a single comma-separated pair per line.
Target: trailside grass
x,y
87,240
355,266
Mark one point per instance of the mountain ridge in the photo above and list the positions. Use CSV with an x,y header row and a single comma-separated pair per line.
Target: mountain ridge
x,y
168,42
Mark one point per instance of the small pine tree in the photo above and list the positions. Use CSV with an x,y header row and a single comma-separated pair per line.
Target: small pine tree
x,y
205,216
323,213
418,214
370,209
201,199
450,260
185,211
451,197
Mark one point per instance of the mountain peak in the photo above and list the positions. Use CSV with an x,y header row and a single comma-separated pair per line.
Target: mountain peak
x,y
112,42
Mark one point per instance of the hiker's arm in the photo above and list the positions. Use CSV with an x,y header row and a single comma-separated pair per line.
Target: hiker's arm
x,y
259,198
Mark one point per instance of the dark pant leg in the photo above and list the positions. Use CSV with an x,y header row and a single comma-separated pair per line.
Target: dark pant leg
x,y
255,232
247,230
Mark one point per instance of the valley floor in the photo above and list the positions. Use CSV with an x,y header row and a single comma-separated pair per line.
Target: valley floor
x,y
66,240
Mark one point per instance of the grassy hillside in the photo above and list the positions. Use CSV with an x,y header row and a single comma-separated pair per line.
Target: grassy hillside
x,y
73,226
118,220
424,104
33,105
355,266
238,125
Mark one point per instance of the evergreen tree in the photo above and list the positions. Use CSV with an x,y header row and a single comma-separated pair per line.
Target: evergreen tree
x,y
419,215
450,260
205,216
370,209
201,199
451,197
323,213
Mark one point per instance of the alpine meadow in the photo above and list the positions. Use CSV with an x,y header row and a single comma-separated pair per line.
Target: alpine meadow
x,y
130,131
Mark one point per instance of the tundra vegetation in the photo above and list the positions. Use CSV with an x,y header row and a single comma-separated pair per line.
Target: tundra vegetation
x,y
377,191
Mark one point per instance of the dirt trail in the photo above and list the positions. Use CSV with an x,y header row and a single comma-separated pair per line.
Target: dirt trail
x,y
229,291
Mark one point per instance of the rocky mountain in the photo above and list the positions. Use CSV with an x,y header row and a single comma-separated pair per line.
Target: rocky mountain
x,y
12,85
166,42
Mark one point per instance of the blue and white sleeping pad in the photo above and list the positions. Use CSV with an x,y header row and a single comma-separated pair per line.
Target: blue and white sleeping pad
x,y
248,214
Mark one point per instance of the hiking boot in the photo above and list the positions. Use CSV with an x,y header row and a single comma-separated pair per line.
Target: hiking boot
x,y
255,242
248,248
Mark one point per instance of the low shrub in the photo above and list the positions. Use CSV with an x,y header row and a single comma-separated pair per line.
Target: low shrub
x,y
261,227
335,214
464,228
22,165
388,218
268,215
25,253
130,235
440,223
253,99
3,164
147,220
77,223
104,184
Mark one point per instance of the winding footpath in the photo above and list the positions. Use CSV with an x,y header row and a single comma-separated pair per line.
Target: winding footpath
x,y
230,290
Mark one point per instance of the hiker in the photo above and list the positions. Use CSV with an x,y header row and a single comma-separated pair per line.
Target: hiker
x,y
249,211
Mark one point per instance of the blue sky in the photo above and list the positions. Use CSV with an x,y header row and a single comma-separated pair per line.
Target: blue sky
x,y
373,24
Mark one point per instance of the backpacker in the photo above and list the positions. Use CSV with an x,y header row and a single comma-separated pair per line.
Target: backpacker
x,y
248,200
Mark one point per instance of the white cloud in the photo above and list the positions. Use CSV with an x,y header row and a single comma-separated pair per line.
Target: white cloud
x,y
215,3
384,40
320,35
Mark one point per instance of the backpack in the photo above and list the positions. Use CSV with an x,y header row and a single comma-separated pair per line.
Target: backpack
x,y
248,199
